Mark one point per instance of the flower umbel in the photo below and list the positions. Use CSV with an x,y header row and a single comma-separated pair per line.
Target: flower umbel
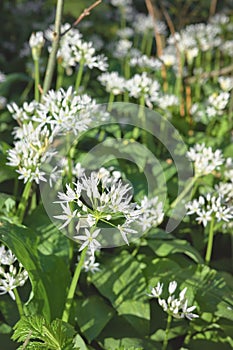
x,y
176,307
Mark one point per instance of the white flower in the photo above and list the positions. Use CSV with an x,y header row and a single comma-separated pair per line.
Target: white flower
x,y
210,207
112,82
177,307
2,77
156,291
68,215
36,40
205,159
172,287
141,85
226,83
11,276
90,264
89,240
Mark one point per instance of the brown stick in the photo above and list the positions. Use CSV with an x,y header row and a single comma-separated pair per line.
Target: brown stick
x,y
214,73
86,12
159,43
213,6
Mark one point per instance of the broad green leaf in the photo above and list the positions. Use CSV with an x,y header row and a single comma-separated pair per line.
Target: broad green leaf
x,y
42,335
164,248
130,344
122,282
92,316
49,274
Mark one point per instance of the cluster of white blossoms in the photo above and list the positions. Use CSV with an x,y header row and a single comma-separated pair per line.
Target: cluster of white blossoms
x,y
2,77
218,102
226,83
74,50
119,3
205,159
112,82
122,48
176,307
36,43
12,273
39,123
103,197
143,23
141,85
210,207
143,61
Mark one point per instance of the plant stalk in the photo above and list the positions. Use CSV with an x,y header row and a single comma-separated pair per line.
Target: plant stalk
x,y
73,285
55,44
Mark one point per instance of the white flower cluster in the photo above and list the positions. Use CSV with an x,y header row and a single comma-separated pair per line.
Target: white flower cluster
x,y
103,196
119,3
144,61
226,83
11,276
176,307
112,82
143,23
141,85
59,112
122,48
73,50
205,159
217,103
151,213
36,42
210,207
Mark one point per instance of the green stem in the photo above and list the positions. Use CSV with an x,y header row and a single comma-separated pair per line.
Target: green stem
x,y
73,285
149,44
55,44
210,242
23,203
37,80
110,101
184,192
79,75
143,42
18,302
60,76
165,342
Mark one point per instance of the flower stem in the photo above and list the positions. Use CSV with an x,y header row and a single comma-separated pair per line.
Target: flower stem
x,y
184,192
60,75
210,242
79,75
37,80
110,101
18,302
165,342
55,44
73,285
23,203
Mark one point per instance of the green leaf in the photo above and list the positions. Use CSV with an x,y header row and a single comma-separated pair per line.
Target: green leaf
x,y
166,247
49,274
122,282
41,335
92,316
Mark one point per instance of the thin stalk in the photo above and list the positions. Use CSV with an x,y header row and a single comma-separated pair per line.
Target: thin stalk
x,y
79,75
60,75
184,192
143,43
37,80
23,203
210,242
18,302
73,285
110,101
165,342
55,44
149,44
